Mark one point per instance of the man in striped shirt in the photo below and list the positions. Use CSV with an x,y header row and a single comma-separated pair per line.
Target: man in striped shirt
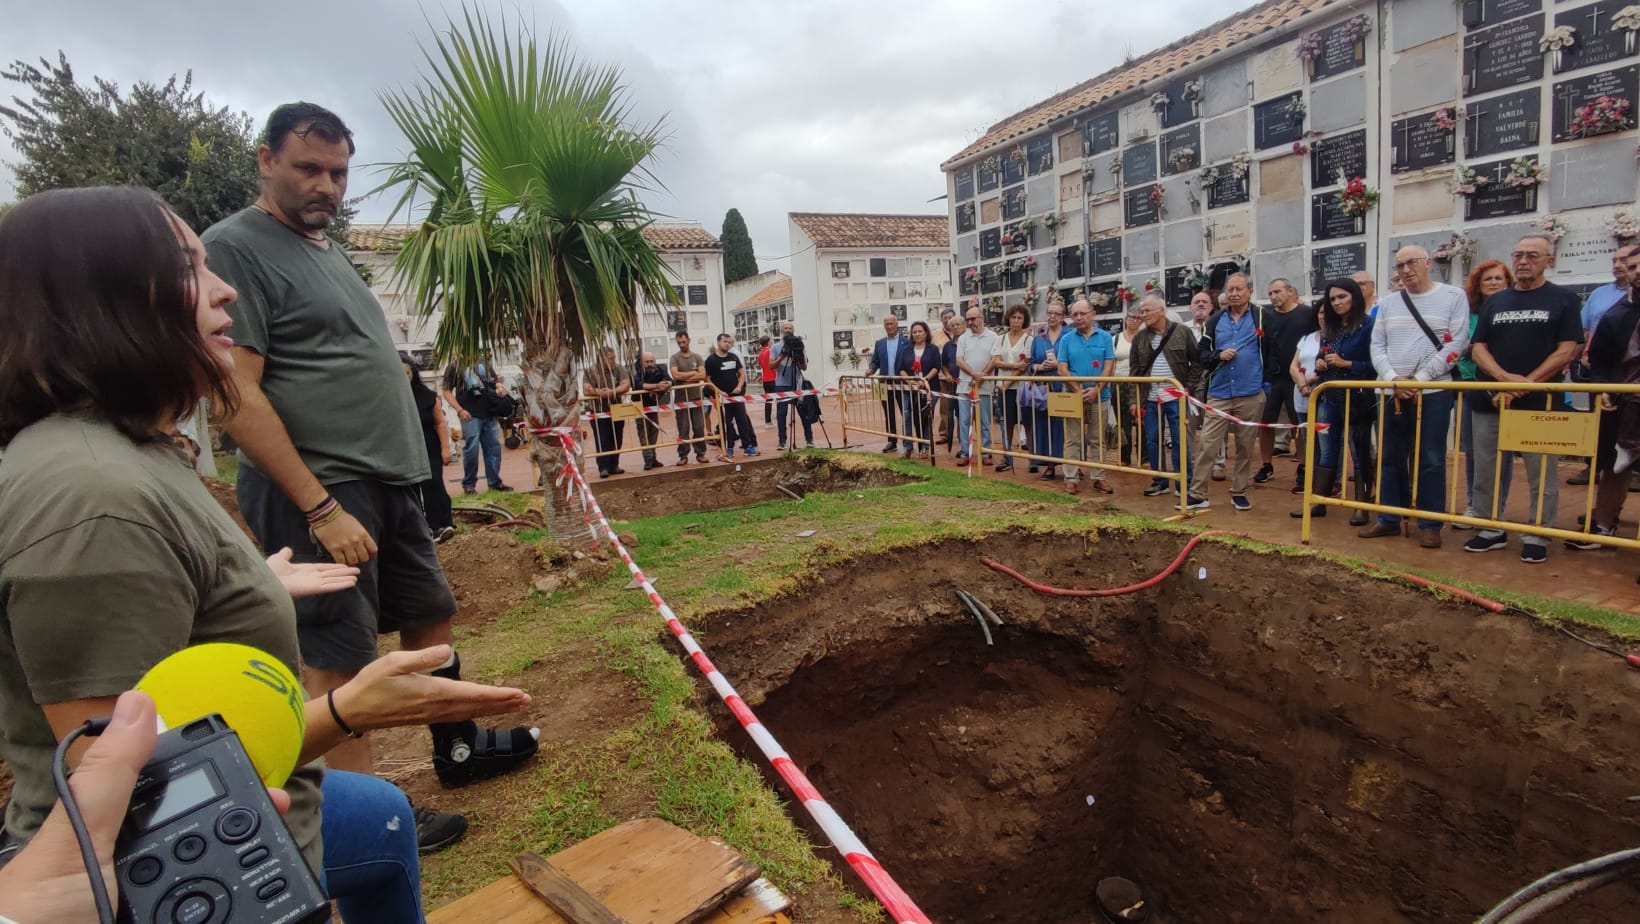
x,y
1420,333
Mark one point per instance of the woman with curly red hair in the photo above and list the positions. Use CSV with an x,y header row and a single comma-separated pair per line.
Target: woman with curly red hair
x,y
1484,280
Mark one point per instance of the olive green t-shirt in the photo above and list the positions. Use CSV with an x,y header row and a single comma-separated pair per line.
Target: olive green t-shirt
x,y
330,367
113,556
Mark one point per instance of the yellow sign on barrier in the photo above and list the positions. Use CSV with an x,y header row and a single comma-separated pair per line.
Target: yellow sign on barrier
x,y
1065,404
625,411
1554,432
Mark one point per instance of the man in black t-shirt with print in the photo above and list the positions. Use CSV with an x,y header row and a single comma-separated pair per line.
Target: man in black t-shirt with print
x,y
1528,333
727,373
1287,321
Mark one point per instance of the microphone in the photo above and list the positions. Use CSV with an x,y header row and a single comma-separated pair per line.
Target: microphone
x,y
257,696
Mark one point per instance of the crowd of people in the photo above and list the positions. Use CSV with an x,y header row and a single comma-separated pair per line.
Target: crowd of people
x,y
1248,371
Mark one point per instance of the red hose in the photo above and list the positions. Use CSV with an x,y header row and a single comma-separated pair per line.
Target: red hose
x,y
1633,660
1110,591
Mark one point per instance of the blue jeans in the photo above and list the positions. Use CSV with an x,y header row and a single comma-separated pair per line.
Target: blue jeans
x,y
1155,414
1466,443
787,411
474,431
1401,425
965,423
369,831
1047,435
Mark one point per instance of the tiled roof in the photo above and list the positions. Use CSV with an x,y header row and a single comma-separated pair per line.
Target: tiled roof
x,y
1247,24
778,291
377,237
845,230
683,235
667,236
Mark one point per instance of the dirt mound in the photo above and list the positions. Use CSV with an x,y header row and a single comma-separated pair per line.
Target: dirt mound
x,y
715,487
1259,738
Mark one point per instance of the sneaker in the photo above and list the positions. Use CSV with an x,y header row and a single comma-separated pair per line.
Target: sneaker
x,y
1265,473
1240,502
1281,451
1585,545
508,488
1158,488
437,830
1581,478
752,451
780,447
1534,554
1194,503
1487,543
1218,471
1468,512
808,445
444,535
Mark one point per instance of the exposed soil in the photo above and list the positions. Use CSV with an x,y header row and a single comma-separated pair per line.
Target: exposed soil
x,y
1280,740
715,487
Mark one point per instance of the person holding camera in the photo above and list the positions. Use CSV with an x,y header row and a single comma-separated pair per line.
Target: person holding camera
x,y
480,402
789,359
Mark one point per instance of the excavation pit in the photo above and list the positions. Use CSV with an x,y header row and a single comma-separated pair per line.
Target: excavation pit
x,y
1258,738
751,481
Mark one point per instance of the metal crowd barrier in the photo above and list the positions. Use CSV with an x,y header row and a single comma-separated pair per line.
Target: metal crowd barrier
x,y
1114,433
1547,435
656,429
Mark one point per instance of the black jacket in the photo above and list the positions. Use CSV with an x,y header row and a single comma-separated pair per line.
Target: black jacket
x,y
1610,341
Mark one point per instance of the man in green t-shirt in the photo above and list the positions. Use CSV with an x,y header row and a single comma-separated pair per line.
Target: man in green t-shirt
x,y
331,449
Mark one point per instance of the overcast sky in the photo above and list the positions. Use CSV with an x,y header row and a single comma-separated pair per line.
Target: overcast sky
x,y
846,105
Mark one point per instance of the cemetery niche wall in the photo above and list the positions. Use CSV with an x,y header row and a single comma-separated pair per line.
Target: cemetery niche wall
x,y
1311,150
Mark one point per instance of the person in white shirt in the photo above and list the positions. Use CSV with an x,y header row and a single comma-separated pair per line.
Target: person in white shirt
x,y
1011,356
1421,331
976,351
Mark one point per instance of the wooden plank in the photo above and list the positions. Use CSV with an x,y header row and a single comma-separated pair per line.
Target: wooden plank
x,y
645,872
651,872
561,892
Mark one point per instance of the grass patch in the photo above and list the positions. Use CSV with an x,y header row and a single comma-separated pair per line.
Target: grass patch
x,y
227,467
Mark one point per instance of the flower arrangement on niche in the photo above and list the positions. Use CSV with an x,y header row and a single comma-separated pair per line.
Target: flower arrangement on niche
x,y
971,275
1356,198
1310,47
1525,173
1096,299
1182,158
1052,221
1447,118
1559,38
1029,296
1026,225
1152,285
1457,248
992,163
1017,155
1600,116
1466,182
1628,20
1553,228
1125,295
1357,27
1158,101
1155,198
1241,164
1623,226
1295,108
1300,147
1194,276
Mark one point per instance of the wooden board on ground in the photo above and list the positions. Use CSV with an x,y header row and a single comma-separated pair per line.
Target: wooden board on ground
x,y
645,872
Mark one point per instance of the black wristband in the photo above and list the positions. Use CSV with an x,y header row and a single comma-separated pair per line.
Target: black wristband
x,y
315,508
330,700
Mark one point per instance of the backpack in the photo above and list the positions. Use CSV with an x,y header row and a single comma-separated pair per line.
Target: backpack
x,y
808,406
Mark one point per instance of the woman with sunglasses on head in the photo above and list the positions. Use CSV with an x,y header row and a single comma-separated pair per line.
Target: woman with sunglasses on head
x,y
1342,352
115,555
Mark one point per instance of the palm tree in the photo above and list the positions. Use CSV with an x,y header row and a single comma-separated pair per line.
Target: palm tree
x,y
524,171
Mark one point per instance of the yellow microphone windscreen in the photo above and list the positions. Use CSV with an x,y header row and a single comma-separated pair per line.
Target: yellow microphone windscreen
x,y
256,694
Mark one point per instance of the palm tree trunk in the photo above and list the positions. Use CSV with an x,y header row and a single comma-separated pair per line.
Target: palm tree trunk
x,y
552,393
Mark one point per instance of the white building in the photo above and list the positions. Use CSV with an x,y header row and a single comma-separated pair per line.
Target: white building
x,y
761,311
694,264
850,271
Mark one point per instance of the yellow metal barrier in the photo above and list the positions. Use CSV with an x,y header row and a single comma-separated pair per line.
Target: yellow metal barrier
x,y
658,430
1546,434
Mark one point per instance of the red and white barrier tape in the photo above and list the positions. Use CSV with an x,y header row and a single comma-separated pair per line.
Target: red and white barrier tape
x,y
894,899
1220,412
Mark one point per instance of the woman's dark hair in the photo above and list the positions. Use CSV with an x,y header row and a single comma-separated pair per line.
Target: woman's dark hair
x,y
927,337
1331,324
303,119
416,384
1472,285
1023,312
97,301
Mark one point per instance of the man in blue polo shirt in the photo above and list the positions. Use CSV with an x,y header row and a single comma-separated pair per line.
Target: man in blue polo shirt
x,y
1230,349
1086,351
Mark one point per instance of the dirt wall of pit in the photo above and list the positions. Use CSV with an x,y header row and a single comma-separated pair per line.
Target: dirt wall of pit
x,y
1282,740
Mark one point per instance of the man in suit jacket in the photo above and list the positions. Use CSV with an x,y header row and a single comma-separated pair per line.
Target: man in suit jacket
x,y
886,356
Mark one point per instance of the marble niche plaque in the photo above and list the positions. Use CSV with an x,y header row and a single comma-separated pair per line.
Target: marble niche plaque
x,y
1503,56
1340,154
988,179
1070,189
1277,70
1339,262
1585,249
1598,42
1339,53
1497,199
1570,95
1417,142
1274,124
1138,209
1599,172
1503,123
1105,256
1228,233
964,178
1422,201
1101,133
1281,178
1229,187
990,211
1070,146
1105,216
1179,110
1328,221
1186,139
1039,155
1478,13
1139,164
1069,263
